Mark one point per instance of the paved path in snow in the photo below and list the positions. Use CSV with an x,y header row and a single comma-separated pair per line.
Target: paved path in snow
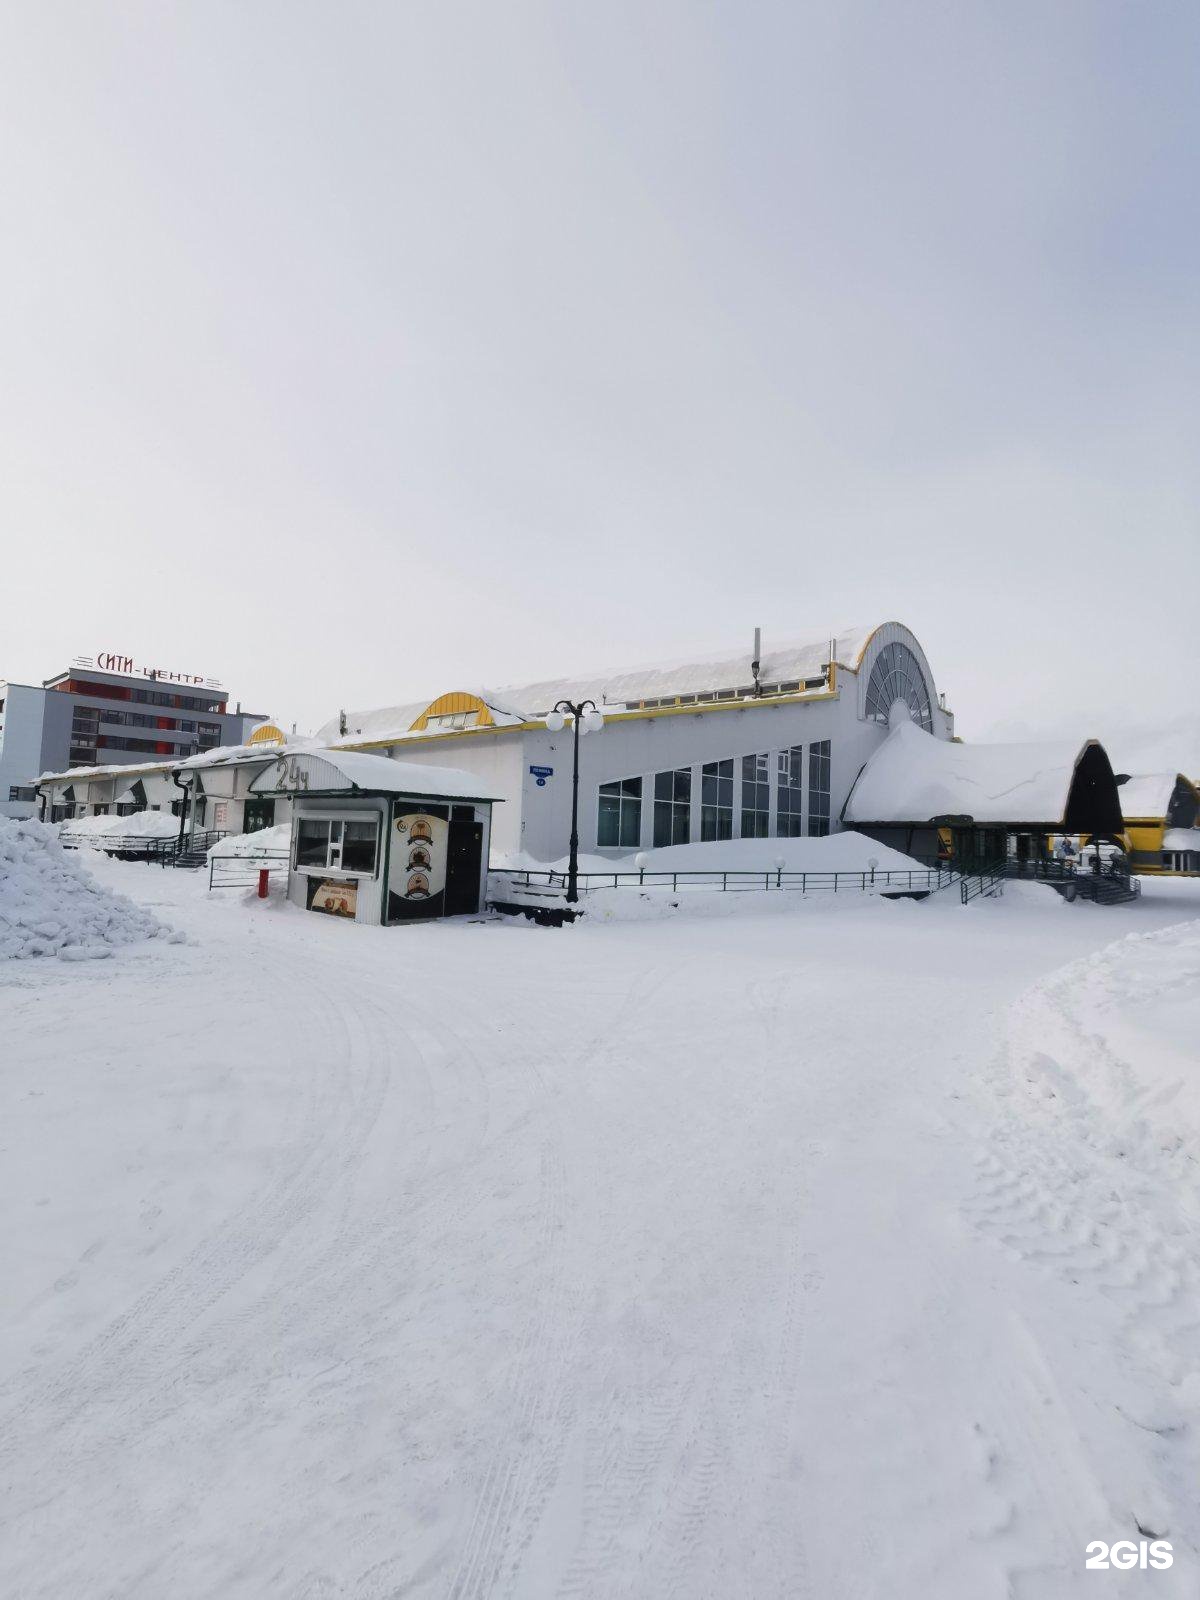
x,y
741,1255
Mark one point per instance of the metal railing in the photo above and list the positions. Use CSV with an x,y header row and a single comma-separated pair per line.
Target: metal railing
x,y
917,880
141,847
983,880
241,872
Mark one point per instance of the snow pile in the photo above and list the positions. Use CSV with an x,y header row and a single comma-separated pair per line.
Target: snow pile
x,y
662,904
267,841
1111,1040
103,833
49,906
836,852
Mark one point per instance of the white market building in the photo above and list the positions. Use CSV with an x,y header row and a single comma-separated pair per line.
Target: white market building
x,y
704,749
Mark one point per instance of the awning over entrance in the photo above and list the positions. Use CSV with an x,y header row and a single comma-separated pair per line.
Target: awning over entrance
x,y
914,779
347,772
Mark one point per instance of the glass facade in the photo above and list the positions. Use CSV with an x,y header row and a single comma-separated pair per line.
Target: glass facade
x,y
716,800
672,806
756,796
819,765
790,793
619,822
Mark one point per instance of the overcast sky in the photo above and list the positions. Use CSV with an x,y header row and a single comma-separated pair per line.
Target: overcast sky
x,y
350,352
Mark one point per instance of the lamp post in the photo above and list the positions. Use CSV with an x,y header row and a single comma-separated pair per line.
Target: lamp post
x,y
586,718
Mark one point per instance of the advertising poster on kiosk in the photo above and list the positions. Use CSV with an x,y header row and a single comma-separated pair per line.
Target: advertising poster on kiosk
x,y
417,870
335,898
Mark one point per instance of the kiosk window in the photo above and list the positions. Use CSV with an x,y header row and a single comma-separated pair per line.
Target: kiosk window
x,y
350,846
312,843
358,845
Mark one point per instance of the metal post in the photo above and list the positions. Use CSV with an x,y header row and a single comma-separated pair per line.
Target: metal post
x,y
573,862
576,712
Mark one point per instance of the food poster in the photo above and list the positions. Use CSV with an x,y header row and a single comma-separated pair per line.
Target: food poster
x,y
417,869
333,898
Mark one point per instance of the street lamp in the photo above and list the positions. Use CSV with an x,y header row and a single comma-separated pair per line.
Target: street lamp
x,y
586,718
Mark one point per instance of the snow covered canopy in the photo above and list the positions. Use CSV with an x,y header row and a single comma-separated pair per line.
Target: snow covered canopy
x,y
915,779
345,772
1155,796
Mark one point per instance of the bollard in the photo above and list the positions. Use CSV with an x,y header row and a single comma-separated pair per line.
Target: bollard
x,y
264,874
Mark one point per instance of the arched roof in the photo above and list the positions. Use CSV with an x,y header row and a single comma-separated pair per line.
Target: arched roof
x,y
794,662
915,779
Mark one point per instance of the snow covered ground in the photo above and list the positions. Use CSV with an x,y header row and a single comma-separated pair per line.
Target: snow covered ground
x,y
833,1248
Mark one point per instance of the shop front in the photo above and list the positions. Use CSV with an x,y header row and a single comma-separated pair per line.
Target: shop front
x,y
381,842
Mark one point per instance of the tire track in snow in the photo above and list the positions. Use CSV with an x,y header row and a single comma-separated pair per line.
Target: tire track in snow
x,y
127,1372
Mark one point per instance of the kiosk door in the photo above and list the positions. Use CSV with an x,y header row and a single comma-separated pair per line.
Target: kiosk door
x,y
464,858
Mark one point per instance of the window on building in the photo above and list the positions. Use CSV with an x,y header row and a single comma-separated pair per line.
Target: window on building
x,y
450,720
789,800
359,840
208,734
819,765
18,791
332,843
619,820
897,675
756,796
312,843
716,800
672,806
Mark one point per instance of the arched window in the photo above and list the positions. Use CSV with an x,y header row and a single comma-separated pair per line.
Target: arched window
x,y
897,675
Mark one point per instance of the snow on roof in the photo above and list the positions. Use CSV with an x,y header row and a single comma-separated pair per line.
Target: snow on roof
x,y
1147,794
1181,839
344,771
914,777
396,722
225,755
77,774
789,662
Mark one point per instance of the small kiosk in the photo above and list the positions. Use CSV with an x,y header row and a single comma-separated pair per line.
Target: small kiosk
x,y
382,841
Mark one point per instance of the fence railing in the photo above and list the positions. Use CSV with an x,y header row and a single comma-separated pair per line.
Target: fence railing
x,y
917,880
983,880
241,872
141,847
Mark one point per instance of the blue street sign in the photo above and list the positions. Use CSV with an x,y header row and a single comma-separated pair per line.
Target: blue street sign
x,y
541,774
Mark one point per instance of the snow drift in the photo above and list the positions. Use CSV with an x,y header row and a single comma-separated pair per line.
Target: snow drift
x,y
265,840
108,832
49,906
835,852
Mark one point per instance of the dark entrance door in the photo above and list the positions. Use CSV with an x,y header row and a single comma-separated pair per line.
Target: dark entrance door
x,y
259,814
464,858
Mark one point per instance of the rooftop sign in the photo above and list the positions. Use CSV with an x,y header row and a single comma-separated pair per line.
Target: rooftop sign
x,y
126,667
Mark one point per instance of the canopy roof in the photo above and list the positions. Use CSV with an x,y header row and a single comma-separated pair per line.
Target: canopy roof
x,y
916,779
355,772
726,672
131,770
1149,795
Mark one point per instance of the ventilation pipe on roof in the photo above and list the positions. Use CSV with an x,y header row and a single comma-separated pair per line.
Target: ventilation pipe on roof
x,y
342,729
757,661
